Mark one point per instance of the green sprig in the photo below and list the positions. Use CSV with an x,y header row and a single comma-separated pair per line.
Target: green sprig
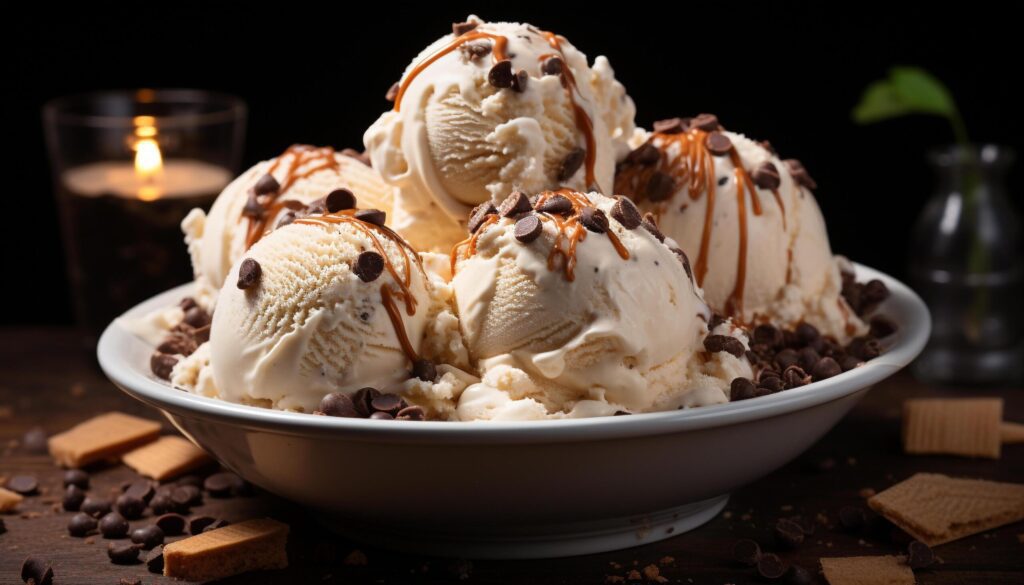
x,y
908,91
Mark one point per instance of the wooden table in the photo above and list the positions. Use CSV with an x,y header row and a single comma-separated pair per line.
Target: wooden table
x,y
46,379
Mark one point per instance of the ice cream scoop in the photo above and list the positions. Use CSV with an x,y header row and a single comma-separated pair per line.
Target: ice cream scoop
x,y
261,196
572,305
747,219
490,108
328,303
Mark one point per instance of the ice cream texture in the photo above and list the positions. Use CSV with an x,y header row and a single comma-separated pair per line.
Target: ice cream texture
x,y
747,219
493,107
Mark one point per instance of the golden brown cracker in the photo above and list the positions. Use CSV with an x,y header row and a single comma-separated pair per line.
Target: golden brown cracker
x,y
253,545
887,570
1011,432
102,437
166,457
9,500
961,426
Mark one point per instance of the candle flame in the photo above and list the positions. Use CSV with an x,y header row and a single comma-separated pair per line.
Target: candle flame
x,y
148,160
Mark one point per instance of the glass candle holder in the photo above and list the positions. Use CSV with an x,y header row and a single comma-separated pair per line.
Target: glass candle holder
x,y
127,168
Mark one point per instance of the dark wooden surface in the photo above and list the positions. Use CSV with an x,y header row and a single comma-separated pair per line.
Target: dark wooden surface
x,y
46,379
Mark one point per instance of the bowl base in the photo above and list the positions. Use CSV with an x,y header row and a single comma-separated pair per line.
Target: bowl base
x,y
546,541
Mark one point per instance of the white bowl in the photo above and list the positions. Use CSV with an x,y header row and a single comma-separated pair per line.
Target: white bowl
x,y
514,489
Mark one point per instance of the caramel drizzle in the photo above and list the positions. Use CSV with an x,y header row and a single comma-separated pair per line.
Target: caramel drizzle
x,y
500,53
317,159
570,232
373,231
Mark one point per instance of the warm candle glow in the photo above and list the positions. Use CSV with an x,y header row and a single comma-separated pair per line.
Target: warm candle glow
x,y
148,160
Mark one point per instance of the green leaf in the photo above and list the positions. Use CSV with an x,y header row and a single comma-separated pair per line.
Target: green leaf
x,y
879,102
907,90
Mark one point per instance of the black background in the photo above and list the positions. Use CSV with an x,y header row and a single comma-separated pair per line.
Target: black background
x,y
787,72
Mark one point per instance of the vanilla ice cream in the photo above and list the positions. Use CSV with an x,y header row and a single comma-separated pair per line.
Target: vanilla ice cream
x,y
330,303
490,108
747,219
577,309
302,173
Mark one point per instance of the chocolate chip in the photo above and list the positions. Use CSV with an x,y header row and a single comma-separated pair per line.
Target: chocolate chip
x,y
224,484
825,368
161,503
848,362
572,163
339,199
95,506
705,122
882,326
148,536
766,176
718,144
389,403
123,553
800,174
645,154
392,93
177,343
155,560
789,533
172,524
552,66
786,357
808,358
410,413
184,497
36,571
864,348
362,399
35,441
873,293
76,477
659,187
556,205
500,75
368,266
196,317
770,383
770,566
767,335
798,575
198,524
528,229
162,364
25,485
317,207
851,518
73,498
807,333
142,490
516,203
741,389
81,524
218,523
685,261
717,343
372,216
249,273
671,126
919,555
520,80
424,369
626,213
594,220
479,215
113,525
651,225
338,404
476,49
746,552
253,207
461,28
130,506
266,185
381,416
794,376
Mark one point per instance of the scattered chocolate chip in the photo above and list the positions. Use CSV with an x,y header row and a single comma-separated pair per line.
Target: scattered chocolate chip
x,y
717,343
794,376
76,477
249,273
807,358
476,49
770,566
73,498
786,357
172,524
807,333
113,525
225,483
685,261
718,144
368,266
788,533
882,326
266,185
919,555
594,220
318,207
552,66
362,399
705,122
253,207
800,174
162,365
651,225
766,176
95,506
520,80
411,413
148,536
626,213
741,389
479,215
572,163
35,441
130,506
381,416
515,204
825,368
461,28
770,383
177,343
200,523
161,504
372,216
555,205
767,335
528,229
26,485
864,348
123,553
746,552
645,154
389,403
392,93
218,523
142,490
339,200
338,404
81,524
37,572
660,187
424,369
500,75
155,560
181,499
671,126
196,317
798,575
874,292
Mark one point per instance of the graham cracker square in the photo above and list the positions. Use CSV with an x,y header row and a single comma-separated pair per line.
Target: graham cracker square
x,y
166,457
888,570
960,426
